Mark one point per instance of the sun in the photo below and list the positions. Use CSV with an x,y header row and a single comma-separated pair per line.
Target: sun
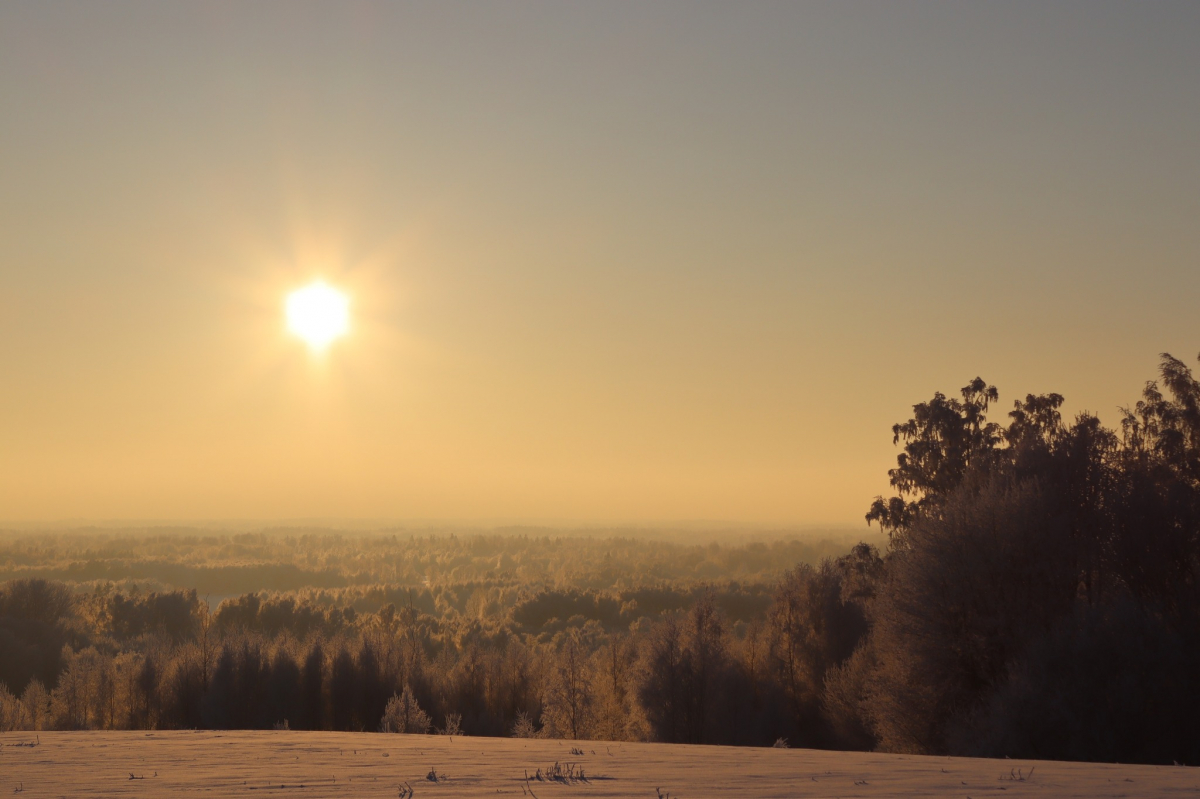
x,y
318,313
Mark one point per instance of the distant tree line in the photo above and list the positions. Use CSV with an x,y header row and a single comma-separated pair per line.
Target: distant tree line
x,y
1038,598
221,564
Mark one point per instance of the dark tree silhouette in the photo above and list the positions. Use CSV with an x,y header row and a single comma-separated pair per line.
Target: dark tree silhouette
x,y
942,441
311,712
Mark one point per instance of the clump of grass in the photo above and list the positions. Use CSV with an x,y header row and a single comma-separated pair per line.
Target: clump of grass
x,y
1017,775
565,773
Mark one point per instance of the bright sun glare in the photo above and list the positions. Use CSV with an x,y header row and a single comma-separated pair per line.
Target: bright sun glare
x,y
318,313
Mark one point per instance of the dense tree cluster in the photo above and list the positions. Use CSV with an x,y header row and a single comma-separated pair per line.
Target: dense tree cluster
x,y
1038,597
684,674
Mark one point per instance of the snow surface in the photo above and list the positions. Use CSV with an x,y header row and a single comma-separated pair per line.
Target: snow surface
x,y
333,764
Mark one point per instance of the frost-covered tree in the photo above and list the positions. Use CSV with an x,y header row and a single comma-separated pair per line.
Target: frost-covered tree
x,y
403,714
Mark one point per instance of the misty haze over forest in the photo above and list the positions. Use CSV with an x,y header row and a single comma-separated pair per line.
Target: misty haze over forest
x,y
1030,565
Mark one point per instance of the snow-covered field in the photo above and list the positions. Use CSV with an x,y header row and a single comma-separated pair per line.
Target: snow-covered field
x,y
317,764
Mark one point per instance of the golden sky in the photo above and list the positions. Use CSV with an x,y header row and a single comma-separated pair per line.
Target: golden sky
x,y
624,262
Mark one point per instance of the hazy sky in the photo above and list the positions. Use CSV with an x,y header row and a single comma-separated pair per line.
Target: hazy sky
x,y
621,261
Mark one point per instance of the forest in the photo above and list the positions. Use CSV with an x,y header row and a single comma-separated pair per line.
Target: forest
x,y
1033,594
